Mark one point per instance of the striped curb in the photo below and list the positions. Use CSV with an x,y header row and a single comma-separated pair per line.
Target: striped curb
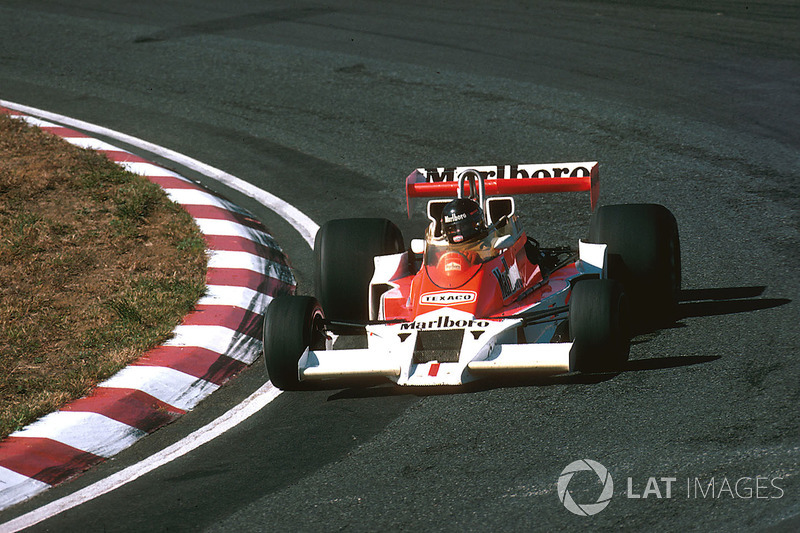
x,y
246,270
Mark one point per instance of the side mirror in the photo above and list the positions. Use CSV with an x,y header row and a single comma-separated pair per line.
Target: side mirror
x,y
417,246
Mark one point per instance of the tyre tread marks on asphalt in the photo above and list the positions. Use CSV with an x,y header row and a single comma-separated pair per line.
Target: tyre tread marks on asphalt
x,y
218,339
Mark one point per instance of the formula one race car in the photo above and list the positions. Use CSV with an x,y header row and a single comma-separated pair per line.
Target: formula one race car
x,y
477,297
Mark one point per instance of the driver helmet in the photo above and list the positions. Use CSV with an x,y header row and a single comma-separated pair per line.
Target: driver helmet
x,y
462,221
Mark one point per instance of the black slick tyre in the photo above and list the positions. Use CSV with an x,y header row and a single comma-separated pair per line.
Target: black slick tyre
x,y
598,326
291,324
644,255
344,251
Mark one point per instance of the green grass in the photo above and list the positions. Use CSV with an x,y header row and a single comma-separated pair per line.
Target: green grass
x,y
97,266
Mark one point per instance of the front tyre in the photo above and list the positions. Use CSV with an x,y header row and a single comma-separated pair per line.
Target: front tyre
x,y
291,324
598,326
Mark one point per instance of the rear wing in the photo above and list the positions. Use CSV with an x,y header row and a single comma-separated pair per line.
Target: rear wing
x,y
507,180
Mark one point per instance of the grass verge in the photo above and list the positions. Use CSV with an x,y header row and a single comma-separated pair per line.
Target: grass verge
x,y
97,266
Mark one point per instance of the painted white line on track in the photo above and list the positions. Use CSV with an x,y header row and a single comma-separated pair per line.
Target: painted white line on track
x,y
254,403
251,405
304,225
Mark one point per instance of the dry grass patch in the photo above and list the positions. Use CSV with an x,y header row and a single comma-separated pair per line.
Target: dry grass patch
x,y
96,267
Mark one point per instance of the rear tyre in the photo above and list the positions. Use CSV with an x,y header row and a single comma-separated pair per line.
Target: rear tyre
x,y
344,251
598,326
291,324
644,255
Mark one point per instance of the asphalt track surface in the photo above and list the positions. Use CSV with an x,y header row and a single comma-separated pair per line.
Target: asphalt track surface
x,y
329,105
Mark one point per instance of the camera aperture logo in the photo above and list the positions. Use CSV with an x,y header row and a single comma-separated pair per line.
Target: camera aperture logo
x,y
585,509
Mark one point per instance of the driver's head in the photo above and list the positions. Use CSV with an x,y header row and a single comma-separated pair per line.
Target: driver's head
x,y
462,221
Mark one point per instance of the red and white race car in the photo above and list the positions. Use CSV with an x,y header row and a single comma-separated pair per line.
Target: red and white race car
x,y
476,297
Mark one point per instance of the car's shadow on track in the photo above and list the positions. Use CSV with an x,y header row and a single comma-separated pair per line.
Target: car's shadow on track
x,y
725,301
693,303
530,380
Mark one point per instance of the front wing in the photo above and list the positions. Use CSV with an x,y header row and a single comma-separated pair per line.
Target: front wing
x,y
443,347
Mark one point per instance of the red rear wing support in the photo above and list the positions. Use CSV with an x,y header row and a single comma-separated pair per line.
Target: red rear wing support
x,y
507,180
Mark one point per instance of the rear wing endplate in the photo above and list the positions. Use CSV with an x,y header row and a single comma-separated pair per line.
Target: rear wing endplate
x,y
507,180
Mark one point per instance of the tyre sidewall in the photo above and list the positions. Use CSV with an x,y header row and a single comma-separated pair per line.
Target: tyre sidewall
x,y
291,324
